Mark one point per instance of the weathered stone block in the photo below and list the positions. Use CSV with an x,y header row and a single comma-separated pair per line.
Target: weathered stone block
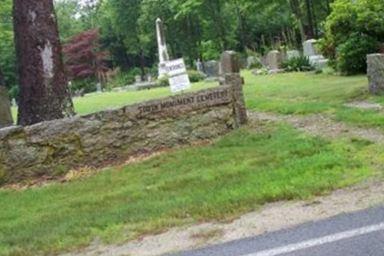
x,y
375,71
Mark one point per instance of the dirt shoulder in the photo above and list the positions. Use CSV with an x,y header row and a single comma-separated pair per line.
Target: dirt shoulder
x,y
271,217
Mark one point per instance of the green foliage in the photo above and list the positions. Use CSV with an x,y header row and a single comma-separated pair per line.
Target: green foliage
x,y
235,175
195,76
121,79
297,64
14,92
351,57
163,82
87,85
7,49
354,29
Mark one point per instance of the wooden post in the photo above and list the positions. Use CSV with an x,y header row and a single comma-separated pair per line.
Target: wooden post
x,y
230,67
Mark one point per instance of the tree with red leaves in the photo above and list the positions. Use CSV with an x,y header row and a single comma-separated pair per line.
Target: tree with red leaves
x,y
83,57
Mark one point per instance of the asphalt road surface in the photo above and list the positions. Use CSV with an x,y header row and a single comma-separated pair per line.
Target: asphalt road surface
x,y
356,234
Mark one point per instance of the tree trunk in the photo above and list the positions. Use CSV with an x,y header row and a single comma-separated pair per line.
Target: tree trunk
x,y
44,94
296,10
5,106
308,4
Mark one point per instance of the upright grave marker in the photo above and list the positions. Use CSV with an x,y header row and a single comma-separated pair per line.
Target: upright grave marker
x,y
375,63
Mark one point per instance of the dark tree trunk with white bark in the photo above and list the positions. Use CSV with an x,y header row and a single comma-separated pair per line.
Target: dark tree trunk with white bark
x,y
5,106
44,94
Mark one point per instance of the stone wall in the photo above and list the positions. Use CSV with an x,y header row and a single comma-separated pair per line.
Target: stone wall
x,y
53,148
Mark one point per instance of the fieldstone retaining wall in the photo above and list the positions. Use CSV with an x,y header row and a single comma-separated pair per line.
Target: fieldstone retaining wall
x,y
53,148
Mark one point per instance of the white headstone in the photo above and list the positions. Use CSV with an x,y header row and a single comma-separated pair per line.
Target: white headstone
x,y
309,48
162,46
98,88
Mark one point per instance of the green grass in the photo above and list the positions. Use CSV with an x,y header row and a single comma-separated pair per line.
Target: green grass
x,y
307,93
302,93
290,93
238,173
95,102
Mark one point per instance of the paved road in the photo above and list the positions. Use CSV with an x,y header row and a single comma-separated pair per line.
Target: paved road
x,y
356,234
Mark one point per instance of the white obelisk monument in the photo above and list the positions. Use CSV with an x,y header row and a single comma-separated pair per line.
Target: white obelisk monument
x,y
163,51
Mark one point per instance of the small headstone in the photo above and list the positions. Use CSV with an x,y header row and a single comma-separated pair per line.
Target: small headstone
x,y
98,88
251,62
309,48
230,62
199,66
274,60
14,103
293,54
138,79
212,68
375,73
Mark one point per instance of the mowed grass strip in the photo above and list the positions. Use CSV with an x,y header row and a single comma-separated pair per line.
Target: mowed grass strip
x,y
235,175
308,93
95,102
302,93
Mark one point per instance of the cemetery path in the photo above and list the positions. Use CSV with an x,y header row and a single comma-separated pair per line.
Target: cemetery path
x,y
321,125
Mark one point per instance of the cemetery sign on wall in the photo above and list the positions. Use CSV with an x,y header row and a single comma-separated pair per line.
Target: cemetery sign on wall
x,y
178,77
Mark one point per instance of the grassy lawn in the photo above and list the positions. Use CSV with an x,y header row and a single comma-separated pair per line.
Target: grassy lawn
x,y
235,175
95,102
306,93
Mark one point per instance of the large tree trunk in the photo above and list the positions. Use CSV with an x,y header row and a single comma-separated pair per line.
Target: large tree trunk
x,y
44,94
5,106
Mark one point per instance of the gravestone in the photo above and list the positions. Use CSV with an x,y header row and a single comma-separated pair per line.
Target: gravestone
x,y
315,58
138,79
212,68
375,71
310,48
230,62
252,61
199,66
293,54
99,89
274,60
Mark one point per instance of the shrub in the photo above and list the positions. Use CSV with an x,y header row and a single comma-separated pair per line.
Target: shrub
x,y
87,85
353,29
195,76
297,64
121,79
163,82
352,55
14,92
